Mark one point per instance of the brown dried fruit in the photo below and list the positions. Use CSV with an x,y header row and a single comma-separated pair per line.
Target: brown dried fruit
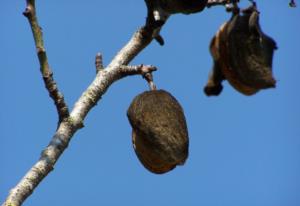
x,y
159,134
242,54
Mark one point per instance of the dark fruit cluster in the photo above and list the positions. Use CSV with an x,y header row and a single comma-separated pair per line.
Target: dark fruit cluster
x,y
242,54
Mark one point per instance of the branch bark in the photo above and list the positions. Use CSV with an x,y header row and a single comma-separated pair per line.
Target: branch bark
x,y
50,84
70,123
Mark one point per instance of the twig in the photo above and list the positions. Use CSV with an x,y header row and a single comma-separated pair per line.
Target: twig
x,y
98,62
89,98
292,3
211,3
47,74
149,79
144,70
138,69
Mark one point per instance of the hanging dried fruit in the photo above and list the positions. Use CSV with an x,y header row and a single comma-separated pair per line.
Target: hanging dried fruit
x,y
159,131
242,54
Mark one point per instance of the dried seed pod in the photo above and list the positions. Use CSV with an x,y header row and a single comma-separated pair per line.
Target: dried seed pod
x,y
159,131
242,54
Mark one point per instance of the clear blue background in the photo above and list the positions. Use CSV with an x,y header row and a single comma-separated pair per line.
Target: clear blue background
x,y
244,151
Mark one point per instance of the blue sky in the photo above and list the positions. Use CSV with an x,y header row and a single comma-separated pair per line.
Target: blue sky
x,y
244,151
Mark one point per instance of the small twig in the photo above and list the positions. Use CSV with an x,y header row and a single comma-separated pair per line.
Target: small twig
x,y
99,62
211,3
137,69
160,39
47,74
66,129
149,79
144,70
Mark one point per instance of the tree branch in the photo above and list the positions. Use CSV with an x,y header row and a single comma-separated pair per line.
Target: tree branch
x,y
139,69
68,126
144,70
50,84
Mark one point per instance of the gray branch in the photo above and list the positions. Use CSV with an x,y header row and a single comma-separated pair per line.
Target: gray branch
x,y
50,84
116,70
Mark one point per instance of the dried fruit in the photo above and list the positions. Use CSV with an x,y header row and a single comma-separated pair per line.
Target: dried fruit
x,y
159,131
242,54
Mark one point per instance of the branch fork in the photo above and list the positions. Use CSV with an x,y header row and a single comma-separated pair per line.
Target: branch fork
x,y
47,74
69,123
144,70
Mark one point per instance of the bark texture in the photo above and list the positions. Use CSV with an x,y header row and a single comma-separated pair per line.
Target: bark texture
x,y
50,84
71,123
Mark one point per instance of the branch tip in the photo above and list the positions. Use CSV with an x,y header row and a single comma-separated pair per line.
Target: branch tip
x,y
160,40
292,4
50,84
99,62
